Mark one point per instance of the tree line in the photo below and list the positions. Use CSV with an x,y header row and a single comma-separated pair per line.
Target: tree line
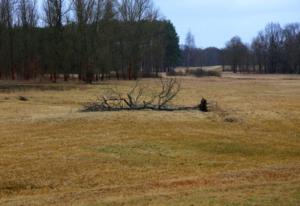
x,y
275,49
89,39
198,57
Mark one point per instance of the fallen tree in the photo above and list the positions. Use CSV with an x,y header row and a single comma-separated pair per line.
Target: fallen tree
x,y
139,99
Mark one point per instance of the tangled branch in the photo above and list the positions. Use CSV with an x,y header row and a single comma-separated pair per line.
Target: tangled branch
x,y
138,99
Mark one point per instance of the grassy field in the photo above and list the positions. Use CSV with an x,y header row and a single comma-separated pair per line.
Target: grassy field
x,y
245,152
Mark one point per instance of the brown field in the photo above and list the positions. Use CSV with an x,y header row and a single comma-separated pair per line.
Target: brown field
x,y
245,152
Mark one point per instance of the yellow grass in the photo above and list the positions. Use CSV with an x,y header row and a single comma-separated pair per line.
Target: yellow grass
x,y
245,152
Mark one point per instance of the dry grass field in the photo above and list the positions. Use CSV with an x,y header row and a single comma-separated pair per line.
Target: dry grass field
x,y
245,152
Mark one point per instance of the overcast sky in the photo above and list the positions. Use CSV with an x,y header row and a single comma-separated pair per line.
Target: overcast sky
x,y
213,22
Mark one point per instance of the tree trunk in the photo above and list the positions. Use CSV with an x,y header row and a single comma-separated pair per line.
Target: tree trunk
x,y
129,71
54,80
117,75
66,77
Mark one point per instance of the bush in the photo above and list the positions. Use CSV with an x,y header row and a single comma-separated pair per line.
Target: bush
x,y
174,73
204,73
21,98
149,75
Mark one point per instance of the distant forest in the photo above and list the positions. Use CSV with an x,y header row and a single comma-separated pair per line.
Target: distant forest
x,y
276,49
197,57
124,39
92,39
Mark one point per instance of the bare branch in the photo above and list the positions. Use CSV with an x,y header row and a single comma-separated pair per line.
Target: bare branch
x,y
136,99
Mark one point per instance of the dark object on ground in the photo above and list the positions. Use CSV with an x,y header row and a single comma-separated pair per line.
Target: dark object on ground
x,y
21,98
174,73
203,105
204,73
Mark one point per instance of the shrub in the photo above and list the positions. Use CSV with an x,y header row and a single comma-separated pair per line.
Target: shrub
x,y
149,75
21,98
174,73
204,73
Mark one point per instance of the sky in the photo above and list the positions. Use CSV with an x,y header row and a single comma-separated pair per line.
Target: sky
x,y
214,22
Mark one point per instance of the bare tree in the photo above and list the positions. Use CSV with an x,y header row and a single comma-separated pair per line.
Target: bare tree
x,y
237,53
55,15
137,10
189,46
84,11
139,98
98,10
27,13
55,12
7,9
133,12
291,46
27,17
274,37
259,48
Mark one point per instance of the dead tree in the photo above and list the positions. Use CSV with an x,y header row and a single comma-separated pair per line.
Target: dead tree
x,y
139,99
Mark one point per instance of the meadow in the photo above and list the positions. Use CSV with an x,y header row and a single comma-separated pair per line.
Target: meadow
x,y
246,151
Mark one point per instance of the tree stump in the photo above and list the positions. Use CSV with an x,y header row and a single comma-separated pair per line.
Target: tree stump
x,y
203,105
